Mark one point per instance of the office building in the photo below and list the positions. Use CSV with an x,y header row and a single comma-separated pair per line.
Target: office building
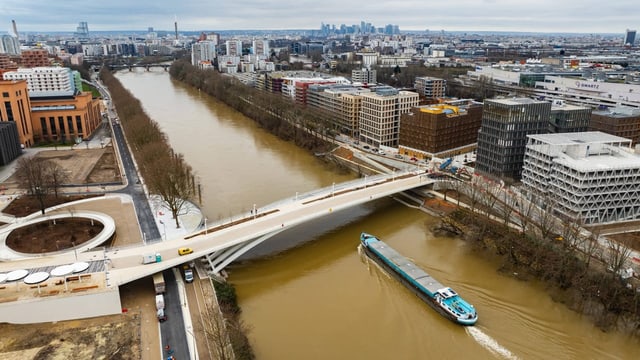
x,y
10,147
568,118
16,108
503,134
440,130
588,177
66,119
430,87
622,121
379,119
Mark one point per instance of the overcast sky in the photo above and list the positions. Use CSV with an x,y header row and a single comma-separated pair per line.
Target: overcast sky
x,y
585,16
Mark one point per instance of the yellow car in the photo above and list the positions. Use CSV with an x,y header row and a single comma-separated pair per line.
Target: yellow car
x,y
184,251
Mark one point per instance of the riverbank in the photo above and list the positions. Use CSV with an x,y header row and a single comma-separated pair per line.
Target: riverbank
x,y
584,286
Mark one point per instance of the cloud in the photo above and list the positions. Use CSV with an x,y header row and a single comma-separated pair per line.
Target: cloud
x,y
525,15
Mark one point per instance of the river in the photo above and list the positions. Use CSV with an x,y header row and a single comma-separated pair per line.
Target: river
x,y
323,300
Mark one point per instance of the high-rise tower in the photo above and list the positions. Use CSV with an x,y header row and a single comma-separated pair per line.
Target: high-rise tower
x,y
630,37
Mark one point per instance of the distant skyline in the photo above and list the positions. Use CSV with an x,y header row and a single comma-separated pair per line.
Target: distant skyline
x,y
587,16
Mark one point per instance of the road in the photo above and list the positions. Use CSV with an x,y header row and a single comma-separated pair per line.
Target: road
x,y
172,332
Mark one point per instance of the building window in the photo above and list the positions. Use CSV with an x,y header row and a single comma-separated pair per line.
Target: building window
x,y
70,124
9,109
5,94
43,125
61,125
52,122
79,124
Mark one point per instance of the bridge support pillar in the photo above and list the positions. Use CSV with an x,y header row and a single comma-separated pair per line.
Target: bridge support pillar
x,y
221,260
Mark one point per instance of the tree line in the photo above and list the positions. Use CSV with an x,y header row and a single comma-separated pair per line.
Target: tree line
x,y
165,172
534,242
272,111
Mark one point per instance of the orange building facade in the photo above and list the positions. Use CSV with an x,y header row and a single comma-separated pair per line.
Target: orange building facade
x,y
16,107
65,120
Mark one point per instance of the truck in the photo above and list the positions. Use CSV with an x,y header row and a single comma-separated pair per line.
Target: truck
x,y
158,283
151,258
446,163
159,302
160,308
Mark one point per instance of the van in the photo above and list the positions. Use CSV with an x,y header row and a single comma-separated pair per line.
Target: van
x,y
184,251
188,275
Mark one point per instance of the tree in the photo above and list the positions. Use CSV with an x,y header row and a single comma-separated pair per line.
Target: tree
x,y
618,255
171,178
214,327
40,177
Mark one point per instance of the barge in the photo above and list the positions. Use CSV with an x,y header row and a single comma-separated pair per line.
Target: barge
x,y
443,299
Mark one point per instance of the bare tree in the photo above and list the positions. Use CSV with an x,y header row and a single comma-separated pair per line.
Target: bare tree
x,y
543,216
617,255
214,327
506,205
172,179
57,176
525,210
40,177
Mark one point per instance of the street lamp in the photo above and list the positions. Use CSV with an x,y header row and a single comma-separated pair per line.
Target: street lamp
x,y
205,225
40,196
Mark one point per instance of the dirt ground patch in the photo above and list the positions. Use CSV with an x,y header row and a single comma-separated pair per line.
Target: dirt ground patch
x,y
83,166
49,236
27,204
107,337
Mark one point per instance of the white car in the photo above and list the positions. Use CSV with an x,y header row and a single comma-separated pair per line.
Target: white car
x,y
188,275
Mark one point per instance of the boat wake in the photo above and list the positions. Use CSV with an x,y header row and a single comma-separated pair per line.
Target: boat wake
x,y
490,343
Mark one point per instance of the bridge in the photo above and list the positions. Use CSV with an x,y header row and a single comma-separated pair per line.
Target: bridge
x,y
220,243
146,66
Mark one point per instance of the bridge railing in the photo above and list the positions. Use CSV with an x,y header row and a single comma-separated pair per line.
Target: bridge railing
x,y
314,194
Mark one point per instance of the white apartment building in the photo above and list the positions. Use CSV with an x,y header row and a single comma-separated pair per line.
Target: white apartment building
x,y
45,81
589,177
260,47
379,118
233,47
226,62
203,52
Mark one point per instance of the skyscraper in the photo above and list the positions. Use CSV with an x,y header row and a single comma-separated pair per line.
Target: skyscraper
x,y
630,37
82,31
